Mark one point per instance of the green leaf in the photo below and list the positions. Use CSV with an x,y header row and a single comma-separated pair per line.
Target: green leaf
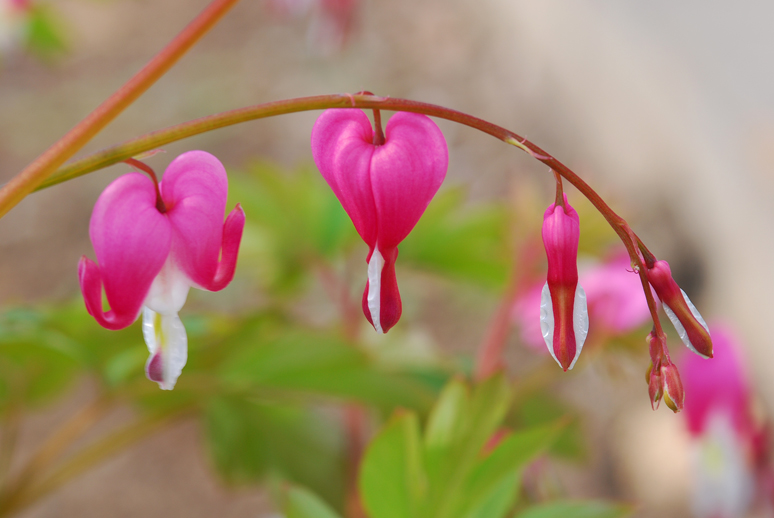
x,y
448,468
392,476
302,503
313,363
293,220
499,500
588,509
448,418
44,33
467,244
251,440
542,408
503,464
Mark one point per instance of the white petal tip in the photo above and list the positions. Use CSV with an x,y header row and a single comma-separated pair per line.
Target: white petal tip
x,y
374,296
580,319
681,332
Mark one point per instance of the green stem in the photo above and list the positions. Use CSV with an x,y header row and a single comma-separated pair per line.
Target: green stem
x,y
88,457
52,449
41,168
10,433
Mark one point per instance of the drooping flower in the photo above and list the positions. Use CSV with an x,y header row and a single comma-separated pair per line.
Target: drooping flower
x,y
690,326
726,451
148,259
384,188
564,318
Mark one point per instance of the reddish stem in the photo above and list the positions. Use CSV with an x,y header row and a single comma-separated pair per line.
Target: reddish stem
x,y
145,167
559,190
43,166
378,133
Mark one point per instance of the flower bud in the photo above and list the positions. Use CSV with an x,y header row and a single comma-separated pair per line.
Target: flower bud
x,y
564,319
690,326
674,395
655,386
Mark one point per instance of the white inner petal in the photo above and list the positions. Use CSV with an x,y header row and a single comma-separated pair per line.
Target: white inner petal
x,y
679,327
169,289
375,266
547,320
580,321
165,334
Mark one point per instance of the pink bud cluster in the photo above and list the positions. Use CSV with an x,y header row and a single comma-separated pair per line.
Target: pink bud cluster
x,y
564,320
662,377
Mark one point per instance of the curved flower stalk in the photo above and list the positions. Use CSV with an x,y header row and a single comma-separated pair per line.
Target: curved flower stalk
x,y
384,184
564,318
153,246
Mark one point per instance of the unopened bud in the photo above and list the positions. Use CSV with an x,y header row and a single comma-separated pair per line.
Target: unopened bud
x,y
564,319
685,317
674,395
655,386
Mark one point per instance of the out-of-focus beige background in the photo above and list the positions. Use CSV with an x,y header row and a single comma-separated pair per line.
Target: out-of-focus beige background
x,y
666,107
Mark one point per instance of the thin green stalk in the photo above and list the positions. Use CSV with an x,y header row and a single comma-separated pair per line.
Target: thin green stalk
x,y
85,459
54,446
41,168
10,433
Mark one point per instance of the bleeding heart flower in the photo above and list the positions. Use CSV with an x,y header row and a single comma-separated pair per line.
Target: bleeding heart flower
x,y
564,319
148,259
727,452
384,188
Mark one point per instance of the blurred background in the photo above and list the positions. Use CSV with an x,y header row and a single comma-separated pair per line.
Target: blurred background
x,y
665,108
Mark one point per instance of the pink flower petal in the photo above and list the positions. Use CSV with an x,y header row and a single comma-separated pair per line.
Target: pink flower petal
x,y
342,147
232,237
194,189
406,172
132,241
717,386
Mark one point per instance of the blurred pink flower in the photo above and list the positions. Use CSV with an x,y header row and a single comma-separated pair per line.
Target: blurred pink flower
x,y
14,21
332,21
717,386
614,297
726,438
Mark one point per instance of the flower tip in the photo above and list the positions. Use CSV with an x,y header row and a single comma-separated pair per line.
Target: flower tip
x,y
154,369
671,404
